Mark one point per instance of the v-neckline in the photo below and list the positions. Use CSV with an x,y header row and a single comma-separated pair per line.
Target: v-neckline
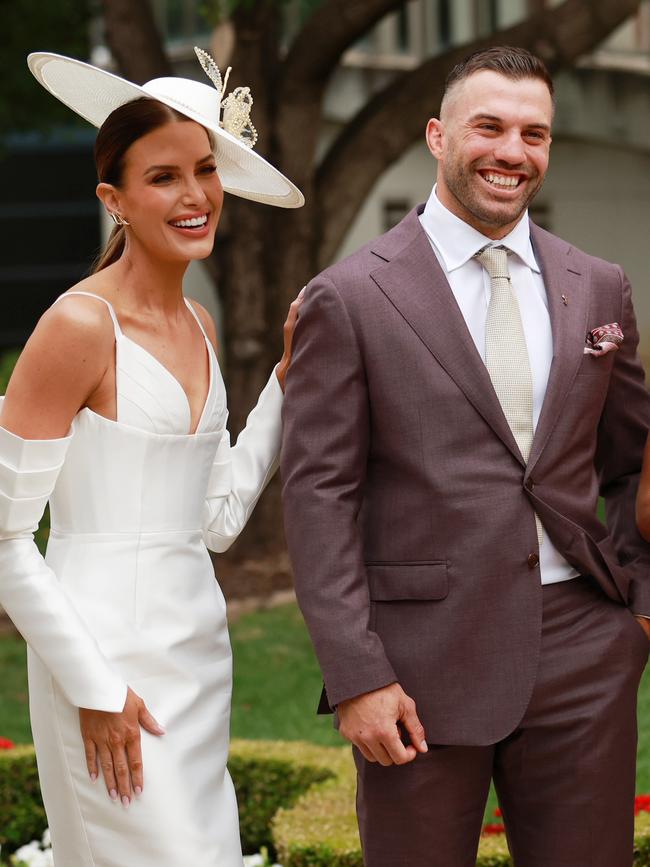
x,y
174,379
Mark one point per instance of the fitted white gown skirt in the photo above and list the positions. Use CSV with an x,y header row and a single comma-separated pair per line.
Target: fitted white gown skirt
x,y
131,598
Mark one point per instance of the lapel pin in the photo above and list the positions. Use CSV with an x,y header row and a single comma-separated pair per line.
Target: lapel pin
x,y
565,300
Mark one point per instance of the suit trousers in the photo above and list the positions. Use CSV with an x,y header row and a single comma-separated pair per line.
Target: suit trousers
x,y
565,777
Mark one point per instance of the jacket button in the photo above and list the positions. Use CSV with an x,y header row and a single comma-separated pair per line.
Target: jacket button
x,y
530,484
533,561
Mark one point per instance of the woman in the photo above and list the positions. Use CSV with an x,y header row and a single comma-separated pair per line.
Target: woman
x,y
116,413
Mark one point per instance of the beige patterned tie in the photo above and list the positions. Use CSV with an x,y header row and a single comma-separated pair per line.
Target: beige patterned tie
x,y
506,353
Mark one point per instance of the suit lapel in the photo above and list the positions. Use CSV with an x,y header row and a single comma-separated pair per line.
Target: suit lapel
x,y
566,290
415,284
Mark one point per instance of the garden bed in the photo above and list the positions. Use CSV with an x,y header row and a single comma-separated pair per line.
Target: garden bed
x,y
296,798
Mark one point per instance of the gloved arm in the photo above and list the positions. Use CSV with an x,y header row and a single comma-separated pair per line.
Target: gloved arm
x,y
241,472
34,599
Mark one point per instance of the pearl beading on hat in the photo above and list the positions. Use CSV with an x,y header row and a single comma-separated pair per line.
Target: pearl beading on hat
x,y
236,106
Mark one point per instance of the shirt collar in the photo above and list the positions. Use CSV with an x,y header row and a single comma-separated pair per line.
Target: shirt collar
x,y
457,242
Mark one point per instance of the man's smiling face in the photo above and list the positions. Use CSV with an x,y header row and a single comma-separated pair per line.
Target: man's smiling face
x,y
492,145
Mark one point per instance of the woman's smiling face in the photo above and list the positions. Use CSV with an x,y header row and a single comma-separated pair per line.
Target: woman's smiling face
x,y
170,193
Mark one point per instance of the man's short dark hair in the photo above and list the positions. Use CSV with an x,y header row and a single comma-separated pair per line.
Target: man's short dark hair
x,y
510,61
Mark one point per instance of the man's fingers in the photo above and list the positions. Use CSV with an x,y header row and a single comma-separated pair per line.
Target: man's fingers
x,y
413,726
399,754
106,762
379,752
91,759
368,756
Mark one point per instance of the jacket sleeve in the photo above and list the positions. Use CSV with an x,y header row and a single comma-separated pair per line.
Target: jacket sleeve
x,y
32,596
621,439
241,472
324,458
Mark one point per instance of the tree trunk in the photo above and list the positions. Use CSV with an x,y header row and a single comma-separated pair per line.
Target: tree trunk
x,y
134,40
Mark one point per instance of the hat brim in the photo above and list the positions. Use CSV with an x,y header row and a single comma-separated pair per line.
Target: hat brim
x,y
94,93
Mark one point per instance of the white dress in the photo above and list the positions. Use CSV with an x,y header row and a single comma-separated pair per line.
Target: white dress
x,y
128,596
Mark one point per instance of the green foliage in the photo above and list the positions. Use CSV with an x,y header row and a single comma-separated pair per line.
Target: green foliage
x,y
269,775
31,25
8,361
22,817
14,706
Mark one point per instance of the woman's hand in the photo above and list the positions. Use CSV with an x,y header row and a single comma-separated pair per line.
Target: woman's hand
x,y
289,328
114,740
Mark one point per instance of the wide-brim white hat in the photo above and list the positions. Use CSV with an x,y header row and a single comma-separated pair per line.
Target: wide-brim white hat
x,y
94,93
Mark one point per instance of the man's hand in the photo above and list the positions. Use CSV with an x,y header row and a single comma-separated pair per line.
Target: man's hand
x,y
370,720
644,623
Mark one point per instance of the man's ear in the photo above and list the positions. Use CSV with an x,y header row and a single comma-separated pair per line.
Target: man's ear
x,y
108,195
434,136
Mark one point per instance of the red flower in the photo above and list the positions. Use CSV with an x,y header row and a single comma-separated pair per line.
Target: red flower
x,y
493,829
641,804
6,744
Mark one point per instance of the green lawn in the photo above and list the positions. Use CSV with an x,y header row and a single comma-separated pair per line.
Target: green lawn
x,y
276,690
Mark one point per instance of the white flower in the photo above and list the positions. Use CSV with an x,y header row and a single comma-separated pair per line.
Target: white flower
x,y
253,861
46,842
31,855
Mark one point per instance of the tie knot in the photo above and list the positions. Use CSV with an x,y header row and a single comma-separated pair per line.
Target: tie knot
x,y
495,261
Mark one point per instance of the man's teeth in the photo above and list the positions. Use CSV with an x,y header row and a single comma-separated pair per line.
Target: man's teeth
x,y
501,180
188,224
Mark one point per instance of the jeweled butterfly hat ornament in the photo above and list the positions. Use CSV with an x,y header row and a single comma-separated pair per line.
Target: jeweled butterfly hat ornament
x,y
94,93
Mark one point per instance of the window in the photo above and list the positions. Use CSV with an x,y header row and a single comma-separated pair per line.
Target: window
x,y
444,22
393,211
487,16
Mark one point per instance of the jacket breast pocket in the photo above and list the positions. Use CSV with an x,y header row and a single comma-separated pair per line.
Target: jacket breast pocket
x,y
597,365
393,582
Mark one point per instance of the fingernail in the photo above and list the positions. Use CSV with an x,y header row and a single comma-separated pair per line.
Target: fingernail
x,y
113,795
424,747
93,777
302,292
125,801
137,791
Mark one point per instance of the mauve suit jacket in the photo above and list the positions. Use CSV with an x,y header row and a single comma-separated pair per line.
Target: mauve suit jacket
x,y
409,510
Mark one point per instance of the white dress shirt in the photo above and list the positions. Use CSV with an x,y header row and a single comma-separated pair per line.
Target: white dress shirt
x,y
455,243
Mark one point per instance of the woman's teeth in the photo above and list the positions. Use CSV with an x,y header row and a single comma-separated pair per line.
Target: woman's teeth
x,y
192,223
501,180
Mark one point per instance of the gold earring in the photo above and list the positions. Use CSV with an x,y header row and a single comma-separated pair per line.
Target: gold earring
x,y
118,219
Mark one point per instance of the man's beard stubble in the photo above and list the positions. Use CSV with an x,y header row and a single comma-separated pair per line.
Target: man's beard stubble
x,y
457,180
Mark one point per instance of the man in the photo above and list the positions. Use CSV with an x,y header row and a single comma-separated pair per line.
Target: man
x,y
452,413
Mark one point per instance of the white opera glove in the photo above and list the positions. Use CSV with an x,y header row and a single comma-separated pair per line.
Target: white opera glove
x,y
240,474
29,590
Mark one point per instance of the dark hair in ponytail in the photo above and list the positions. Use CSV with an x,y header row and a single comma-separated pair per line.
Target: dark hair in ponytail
x,y
120,130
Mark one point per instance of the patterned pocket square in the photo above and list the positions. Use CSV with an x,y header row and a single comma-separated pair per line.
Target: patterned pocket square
x,y
604,339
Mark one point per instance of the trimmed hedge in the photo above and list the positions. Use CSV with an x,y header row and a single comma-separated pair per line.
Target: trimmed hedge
x,y
22,817
294,797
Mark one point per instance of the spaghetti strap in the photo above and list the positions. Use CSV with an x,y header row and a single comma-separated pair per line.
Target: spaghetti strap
x,y
197,317
116,324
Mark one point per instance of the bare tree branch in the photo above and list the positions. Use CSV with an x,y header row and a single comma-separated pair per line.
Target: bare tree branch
x,y
394,119
328,32
134,40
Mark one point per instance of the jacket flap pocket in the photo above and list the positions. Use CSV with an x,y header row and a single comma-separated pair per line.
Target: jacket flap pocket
x,y
393,581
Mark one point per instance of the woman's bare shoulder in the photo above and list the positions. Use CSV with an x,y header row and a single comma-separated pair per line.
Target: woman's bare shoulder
x,y
61,365
207,321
